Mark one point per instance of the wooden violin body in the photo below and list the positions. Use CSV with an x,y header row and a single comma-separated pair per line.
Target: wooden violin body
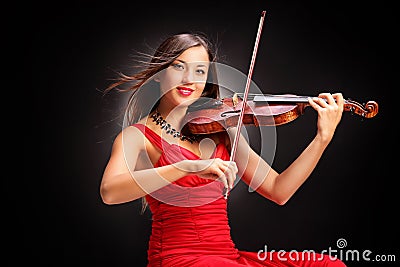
x,y
263,110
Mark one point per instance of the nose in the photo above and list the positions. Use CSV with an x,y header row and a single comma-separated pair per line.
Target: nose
x,y
187,76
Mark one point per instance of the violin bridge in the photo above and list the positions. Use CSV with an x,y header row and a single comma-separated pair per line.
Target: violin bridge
x,y
235,100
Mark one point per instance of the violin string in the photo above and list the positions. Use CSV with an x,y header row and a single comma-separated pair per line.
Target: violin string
x,y
251,96
271,95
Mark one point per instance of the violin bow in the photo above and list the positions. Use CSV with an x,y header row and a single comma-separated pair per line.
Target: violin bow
x,y
246,91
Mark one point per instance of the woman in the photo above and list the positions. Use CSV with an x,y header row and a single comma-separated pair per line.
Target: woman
x,y
184,178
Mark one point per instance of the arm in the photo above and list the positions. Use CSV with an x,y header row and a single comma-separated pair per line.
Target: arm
x,y
279,187
129,173
122,181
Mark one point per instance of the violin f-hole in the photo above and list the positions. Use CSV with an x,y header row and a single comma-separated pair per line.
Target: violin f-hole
x,y
226,113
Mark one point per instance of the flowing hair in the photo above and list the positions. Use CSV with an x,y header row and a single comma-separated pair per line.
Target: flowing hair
x,y
145,92
162,58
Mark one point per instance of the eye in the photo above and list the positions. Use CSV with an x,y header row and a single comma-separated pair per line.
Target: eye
x,y
178,66
200,71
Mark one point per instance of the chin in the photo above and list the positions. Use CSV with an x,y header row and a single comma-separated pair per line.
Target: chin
x,y
185,102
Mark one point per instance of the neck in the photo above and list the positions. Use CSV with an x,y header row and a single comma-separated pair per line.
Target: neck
x,y
172,122
174,115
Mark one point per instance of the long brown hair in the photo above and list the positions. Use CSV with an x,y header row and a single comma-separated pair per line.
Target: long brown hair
x,y
140,100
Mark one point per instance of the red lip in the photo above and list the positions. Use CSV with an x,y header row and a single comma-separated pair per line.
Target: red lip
x,y
185,91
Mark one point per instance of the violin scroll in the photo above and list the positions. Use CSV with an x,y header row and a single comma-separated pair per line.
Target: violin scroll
x,y
368,110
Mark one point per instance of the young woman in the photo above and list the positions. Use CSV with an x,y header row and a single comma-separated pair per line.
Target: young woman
x,y
183,178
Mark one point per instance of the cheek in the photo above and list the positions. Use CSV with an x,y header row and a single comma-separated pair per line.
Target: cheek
x,y
170,81
199,89
173,79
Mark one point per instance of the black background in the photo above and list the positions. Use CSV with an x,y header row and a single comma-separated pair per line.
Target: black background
x,y
306,47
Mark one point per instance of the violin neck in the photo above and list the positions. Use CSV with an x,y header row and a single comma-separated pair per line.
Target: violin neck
x,y
366,110
280,98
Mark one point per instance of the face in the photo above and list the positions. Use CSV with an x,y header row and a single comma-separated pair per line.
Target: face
x,y
184,80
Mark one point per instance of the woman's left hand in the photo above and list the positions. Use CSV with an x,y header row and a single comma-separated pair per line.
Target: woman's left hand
x,y
330,110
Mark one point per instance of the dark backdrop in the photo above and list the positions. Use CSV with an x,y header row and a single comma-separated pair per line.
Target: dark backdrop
x,y
307,47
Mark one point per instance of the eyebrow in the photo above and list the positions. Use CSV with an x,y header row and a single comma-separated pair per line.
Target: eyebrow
x,y
184,62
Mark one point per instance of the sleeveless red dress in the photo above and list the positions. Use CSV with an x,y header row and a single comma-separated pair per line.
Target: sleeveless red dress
x,y
190,221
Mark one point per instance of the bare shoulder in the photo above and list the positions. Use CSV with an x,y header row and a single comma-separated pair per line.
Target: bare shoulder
x,y
131,136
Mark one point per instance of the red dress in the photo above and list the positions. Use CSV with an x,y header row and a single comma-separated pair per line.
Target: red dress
x,y
190,221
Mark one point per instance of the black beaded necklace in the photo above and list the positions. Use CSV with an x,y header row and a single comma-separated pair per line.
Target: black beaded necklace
x,y
159,120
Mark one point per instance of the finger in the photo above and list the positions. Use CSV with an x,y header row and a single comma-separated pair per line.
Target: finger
x,y
339,99
233,165
221,176
224,181
324,100
224,167
214,171
232,180
234,171
321,101
229,173
314,103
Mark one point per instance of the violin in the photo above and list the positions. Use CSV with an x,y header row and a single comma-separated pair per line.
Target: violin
x,y
217,115
262,110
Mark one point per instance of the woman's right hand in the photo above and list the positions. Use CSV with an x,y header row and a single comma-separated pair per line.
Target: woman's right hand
x,y
215,169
